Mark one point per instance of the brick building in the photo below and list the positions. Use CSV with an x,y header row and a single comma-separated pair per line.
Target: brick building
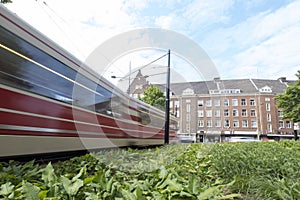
x,y
238,106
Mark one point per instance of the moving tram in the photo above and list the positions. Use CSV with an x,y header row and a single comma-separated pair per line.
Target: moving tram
x,y
51,103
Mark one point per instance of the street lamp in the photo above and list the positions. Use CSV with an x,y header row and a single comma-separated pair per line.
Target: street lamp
x,y
128,78
167,108
167,111
296,128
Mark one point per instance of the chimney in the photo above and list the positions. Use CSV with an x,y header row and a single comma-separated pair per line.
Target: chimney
x,y
217,79
282,79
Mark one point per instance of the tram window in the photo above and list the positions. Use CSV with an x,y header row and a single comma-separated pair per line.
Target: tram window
x,y
23,47
20,73
32,72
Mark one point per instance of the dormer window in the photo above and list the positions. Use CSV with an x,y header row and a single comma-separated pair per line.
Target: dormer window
x,y
188,91
138,87
265,89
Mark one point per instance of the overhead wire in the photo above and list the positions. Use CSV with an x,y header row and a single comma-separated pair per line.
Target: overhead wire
x,y
62,30
71,28
45,4
143,66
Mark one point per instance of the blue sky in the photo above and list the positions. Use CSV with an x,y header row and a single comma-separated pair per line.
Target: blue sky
x,y
244,39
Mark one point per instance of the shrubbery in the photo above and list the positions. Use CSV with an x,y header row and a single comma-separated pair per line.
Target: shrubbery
x,y
197,171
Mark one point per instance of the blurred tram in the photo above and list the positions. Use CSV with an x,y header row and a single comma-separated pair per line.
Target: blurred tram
x,y
51,103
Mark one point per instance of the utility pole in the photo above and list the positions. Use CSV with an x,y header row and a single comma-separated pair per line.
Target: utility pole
x,y
129,78
167,111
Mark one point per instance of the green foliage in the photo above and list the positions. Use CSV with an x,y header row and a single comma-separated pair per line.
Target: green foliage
x,y
197,171
154,97
6,1
260,170
290,101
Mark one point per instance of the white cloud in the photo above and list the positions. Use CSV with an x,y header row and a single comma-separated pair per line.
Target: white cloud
x,y
199,12
244,49
164,21
78,27
277,54
277,21
263,46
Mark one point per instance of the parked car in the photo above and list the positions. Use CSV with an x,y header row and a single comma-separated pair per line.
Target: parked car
x,y
243,139
187,139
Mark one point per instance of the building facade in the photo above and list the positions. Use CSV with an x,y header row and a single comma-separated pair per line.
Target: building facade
x,y
240,106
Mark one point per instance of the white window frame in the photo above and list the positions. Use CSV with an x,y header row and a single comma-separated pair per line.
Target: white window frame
x,y
234,102
253,123
245,123
200,113
236,123
243,102
252,102
208,103
235,113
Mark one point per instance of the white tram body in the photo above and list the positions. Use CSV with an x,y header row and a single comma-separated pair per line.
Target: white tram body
x,y
50,102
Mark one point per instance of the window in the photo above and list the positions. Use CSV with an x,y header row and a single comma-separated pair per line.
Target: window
x,y
244,123
243,102
281,124
288,124
200,113
235,123
187,127
208,113
244,112
187,117
234,102
188,107
217,113
252,113
217,123
280,113
35,76
252,102
200,102
137,87
188,101
217,102
200,123
227,123
188,91
268,107
253,124
267,99
268,117
269,128
235,113
208,123
226,112
226,102
208,103
176,104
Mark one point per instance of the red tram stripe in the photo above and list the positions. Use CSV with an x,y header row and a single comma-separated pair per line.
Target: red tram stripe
x,y
25,103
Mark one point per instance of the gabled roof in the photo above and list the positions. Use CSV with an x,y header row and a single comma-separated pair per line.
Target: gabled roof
x,y
276,85
243,86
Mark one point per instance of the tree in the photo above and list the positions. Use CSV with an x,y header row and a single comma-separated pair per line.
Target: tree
x,y
290,101
6,1
154,96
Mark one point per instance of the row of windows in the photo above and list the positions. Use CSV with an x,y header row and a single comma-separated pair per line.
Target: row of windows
x,y
226,102
226,123
286,124
226,113
239,123
235,112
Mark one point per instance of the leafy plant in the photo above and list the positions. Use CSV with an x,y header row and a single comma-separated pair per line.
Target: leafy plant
x,y
197,171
